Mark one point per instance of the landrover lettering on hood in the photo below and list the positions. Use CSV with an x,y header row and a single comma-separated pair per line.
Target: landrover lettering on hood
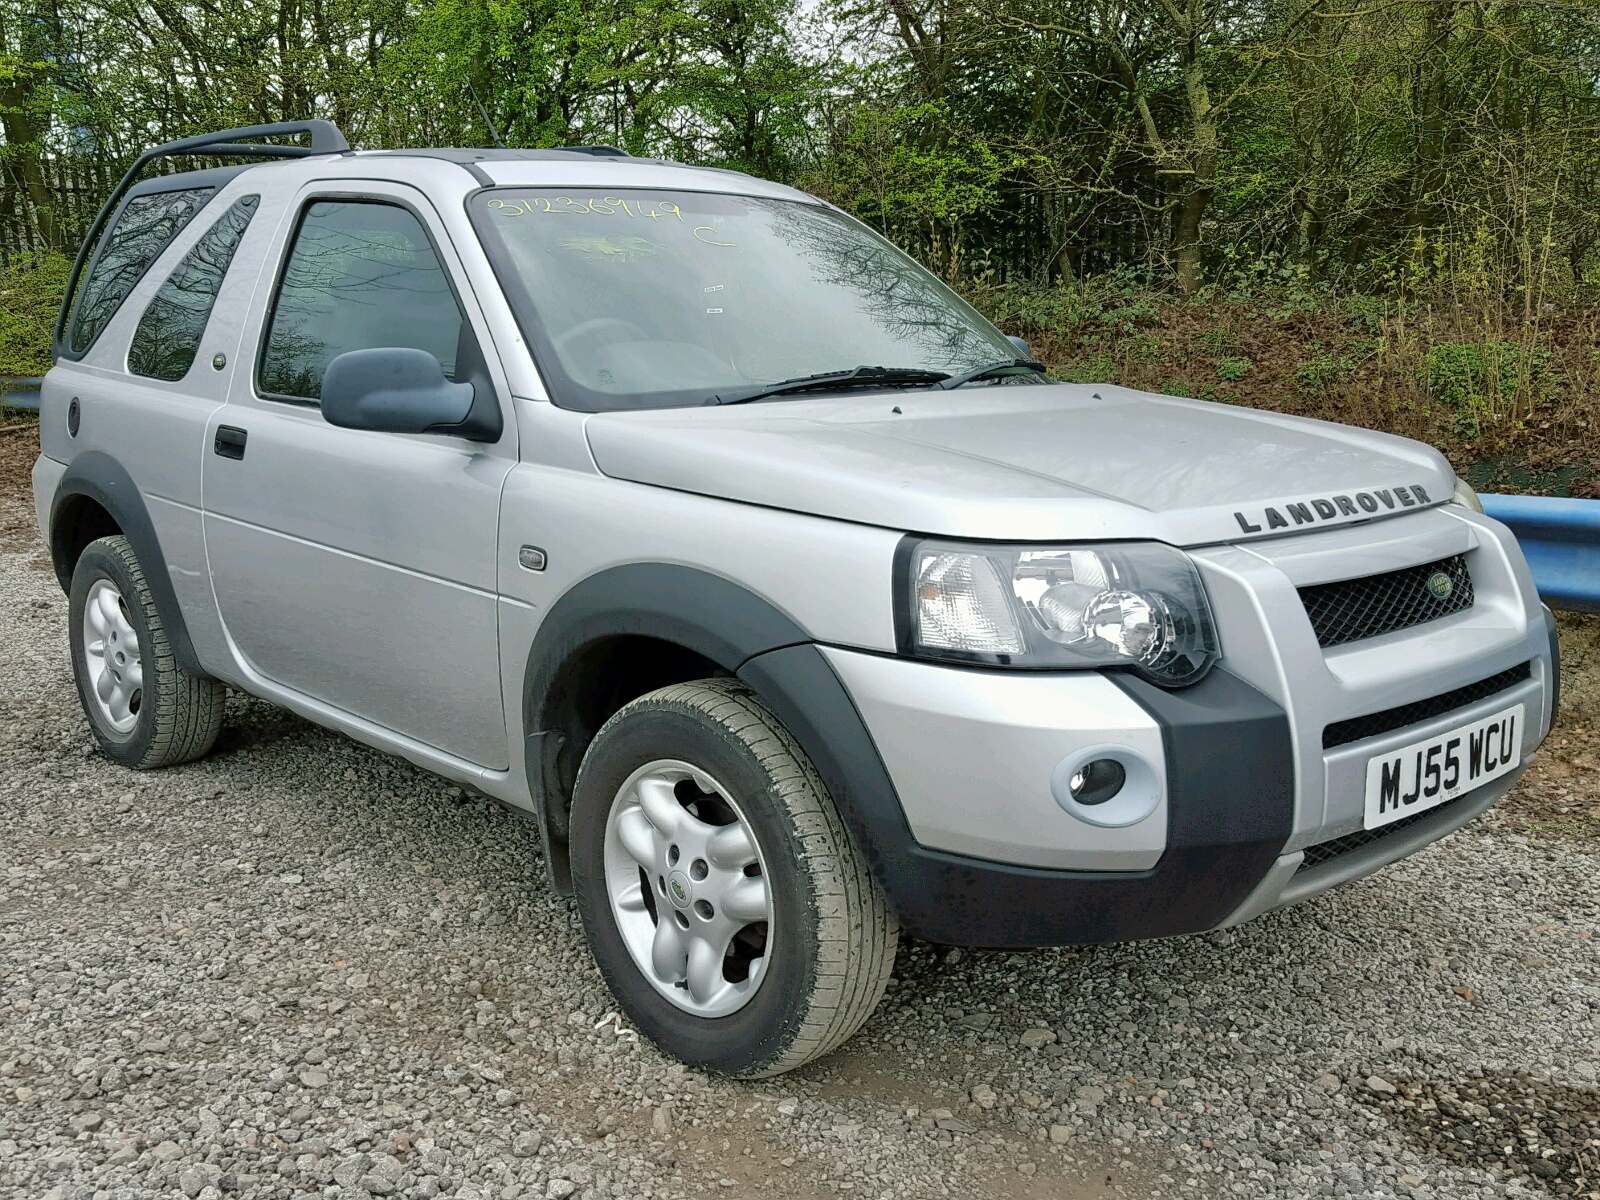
x,y
1317,510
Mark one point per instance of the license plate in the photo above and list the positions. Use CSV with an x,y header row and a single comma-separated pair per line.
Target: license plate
x,y
1428,773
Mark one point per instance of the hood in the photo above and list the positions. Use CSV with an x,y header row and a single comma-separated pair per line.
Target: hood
x,y
1029,463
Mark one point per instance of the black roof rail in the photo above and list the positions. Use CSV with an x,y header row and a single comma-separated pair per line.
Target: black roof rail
x,y
325,139
596,151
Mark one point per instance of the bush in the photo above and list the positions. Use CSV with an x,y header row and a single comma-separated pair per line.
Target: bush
x,y
1484,381
1103,306
1321,371
30,293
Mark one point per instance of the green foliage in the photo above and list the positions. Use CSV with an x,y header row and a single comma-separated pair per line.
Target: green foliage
x,y
1322,371
1111,306
1466,375
553,72
1098,367
1481,381
30,293
1232,370
1236,150
915,175
1368,310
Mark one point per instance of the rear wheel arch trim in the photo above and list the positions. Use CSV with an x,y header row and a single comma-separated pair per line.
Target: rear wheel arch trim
x,y
97,477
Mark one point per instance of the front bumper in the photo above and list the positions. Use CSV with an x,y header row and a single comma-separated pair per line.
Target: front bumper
x,y
944,773
1295,877
1229,766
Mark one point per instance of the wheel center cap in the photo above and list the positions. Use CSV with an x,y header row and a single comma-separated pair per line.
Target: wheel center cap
x,y
679,891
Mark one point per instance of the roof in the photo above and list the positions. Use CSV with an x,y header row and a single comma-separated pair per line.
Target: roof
x,y
465,154
212,177
589,161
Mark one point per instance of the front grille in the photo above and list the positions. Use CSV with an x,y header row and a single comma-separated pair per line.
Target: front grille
x,y
1323,852
1342,733
1353,609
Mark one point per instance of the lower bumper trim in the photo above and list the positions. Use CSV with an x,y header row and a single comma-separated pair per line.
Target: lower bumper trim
x,y
1293,878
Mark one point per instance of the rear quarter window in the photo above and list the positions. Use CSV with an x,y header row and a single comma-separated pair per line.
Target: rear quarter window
x,y
146,225
169,333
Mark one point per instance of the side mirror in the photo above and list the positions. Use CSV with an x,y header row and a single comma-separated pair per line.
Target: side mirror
x,y
393,390
1022,346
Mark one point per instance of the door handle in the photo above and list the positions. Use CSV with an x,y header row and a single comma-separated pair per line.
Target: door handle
x,y
230,441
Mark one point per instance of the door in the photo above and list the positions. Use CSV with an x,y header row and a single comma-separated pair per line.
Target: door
x,y
354,567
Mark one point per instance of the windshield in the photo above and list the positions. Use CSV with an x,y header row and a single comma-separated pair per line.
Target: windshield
x,y
650,299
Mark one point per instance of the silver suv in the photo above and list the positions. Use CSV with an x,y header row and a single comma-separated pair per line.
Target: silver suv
x,y
794,601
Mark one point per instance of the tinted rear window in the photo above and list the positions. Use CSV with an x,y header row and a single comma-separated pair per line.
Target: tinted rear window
x,y
143,230
169,333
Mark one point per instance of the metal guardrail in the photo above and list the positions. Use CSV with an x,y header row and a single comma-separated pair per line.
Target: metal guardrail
x,y
1561,539
19,393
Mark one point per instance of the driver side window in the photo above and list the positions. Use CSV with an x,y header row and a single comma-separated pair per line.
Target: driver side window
x,y
362,274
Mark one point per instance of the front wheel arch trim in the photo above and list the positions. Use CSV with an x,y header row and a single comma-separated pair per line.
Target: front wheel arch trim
x,y
700,612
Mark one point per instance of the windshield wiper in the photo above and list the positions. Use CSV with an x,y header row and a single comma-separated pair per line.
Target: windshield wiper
x,y
1010,364
836,381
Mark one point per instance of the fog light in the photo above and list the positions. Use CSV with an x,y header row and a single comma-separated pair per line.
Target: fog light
x,y
1108,785
1098,781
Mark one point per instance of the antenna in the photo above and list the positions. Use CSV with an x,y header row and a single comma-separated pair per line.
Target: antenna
x,y
484,113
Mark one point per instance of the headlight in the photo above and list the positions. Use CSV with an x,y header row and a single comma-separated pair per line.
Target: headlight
x,y
1466,497
1134,604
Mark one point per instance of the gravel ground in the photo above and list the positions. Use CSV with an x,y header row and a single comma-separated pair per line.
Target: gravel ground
x,y
1560,795
301,967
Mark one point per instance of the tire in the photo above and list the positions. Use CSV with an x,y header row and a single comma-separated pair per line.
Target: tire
x,y
170,717
829,947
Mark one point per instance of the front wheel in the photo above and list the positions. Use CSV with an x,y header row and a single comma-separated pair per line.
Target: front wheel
x,y
725,904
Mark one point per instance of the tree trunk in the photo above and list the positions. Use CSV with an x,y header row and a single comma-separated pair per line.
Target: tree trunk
x,y
23,137
1433,82
1186,218
926,48
1204,141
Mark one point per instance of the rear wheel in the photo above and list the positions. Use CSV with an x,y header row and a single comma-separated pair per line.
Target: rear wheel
x,y
726,906
145,710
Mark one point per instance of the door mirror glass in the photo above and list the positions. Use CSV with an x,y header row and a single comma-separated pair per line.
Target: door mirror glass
x,y
393,389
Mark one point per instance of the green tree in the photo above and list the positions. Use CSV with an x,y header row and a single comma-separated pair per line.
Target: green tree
x,y
28,45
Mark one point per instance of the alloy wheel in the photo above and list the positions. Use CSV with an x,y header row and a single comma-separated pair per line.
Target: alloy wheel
x,y
112,655
688,888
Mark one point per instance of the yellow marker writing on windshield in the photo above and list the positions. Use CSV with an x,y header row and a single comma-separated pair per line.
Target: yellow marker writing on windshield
x,y
608,206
